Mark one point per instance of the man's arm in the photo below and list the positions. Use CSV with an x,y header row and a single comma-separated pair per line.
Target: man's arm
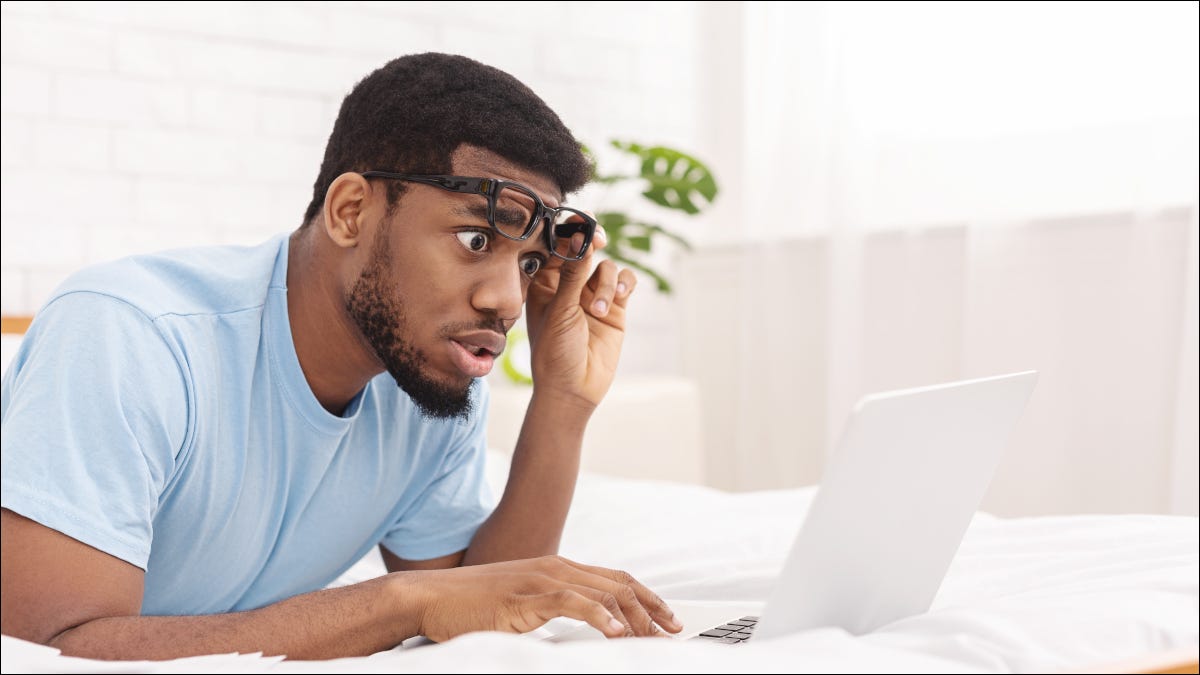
x,y
63,593
60,592
528,521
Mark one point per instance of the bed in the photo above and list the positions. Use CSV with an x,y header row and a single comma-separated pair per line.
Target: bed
x,y
1102,593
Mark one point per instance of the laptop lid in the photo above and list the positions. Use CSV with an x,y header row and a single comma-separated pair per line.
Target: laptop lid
x,y
909,471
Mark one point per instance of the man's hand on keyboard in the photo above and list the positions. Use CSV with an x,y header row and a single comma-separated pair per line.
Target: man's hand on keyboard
x,y
521,595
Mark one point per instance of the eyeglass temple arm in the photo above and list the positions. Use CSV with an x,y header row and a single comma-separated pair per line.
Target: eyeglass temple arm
x,y
452,183
569,229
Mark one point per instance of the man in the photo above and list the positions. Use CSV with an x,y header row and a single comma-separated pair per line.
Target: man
x,y
196,442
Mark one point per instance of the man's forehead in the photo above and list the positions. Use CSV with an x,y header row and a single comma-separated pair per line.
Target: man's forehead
x,y
472,161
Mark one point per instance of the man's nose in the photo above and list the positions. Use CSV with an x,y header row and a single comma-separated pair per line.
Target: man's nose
x,y
501,292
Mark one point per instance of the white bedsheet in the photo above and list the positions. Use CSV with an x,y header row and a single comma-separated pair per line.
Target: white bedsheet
x,y
1031,594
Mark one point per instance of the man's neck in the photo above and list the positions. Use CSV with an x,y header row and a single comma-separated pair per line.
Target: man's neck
x,y
336,360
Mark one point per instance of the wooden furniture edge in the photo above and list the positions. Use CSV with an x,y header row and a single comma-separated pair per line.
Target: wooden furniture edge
x,y
15,323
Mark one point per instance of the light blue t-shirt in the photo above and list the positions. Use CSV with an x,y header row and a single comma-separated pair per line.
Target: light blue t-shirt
x,y
157,411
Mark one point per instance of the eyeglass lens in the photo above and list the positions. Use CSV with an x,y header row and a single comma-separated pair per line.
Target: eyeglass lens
x,y
516,212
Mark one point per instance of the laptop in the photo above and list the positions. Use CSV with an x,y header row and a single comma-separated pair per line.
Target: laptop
x,y
908,474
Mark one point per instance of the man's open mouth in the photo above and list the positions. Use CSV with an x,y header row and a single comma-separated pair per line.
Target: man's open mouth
x,y
475,353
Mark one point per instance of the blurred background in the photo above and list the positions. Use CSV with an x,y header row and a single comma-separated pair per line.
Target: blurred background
x,y
911,193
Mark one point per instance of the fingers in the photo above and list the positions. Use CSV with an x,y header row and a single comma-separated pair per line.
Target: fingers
x,y
626,280
647,599
565,279
604,286
609,286
521,595
571,603
569,276
573,274
641,607
600,238
610,602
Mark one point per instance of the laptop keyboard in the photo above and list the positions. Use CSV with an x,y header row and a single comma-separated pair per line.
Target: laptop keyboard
x,y
730,633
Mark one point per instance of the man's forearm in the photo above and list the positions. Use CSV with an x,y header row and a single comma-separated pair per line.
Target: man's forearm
x,y
528,521
351,621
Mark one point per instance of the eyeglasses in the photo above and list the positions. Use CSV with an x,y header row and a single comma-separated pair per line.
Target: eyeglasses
x,y
514,211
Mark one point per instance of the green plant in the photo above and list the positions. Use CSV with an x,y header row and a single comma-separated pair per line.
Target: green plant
x,y
672,180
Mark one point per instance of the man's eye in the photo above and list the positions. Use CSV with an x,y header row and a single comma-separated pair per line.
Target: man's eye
x,y
473,240
530,266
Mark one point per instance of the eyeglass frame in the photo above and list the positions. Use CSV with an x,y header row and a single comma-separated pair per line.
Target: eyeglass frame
x,y
490,188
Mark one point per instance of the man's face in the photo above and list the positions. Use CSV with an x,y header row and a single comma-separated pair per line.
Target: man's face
x,y
440,289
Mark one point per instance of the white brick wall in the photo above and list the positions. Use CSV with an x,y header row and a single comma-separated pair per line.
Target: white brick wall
x,y
131,127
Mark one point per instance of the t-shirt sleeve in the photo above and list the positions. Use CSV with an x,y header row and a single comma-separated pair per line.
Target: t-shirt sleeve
x,y
94,414
444,518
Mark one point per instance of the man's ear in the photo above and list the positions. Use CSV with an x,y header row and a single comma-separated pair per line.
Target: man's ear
x,y
345,203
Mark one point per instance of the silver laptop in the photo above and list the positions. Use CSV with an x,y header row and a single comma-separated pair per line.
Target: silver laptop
x,y
910,469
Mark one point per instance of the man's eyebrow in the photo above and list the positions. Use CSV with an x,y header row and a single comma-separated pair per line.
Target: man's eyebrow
x,y
504,217
472,211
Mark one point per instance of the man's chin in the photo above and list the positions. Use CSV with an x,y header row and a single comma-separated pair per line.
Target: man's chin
x,y
439,399
453,384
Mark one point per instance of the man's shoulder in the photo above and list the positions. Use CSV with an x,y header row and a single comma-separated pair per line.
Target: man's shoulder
x,y
203,280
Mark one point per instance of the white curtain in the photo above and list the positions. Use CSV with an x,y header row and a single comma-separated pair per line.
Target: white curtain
x,y
932,192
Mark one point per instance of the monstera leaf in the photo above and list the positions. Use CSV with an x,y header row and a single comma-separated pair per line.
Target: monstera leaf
x,y
673,179
677,180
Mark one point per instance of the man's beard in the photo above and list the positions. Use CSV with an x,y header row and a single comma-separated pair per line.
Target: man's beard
x,y
376,308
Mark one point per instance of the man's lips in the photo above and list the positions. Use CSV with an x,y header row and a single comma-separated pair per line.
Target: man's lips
x,y
475,353
480,341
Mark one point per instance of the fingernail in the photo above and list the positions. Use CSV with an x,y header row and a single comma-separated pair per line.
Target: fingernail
x,y
601,306
616,625
621,288
675,621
